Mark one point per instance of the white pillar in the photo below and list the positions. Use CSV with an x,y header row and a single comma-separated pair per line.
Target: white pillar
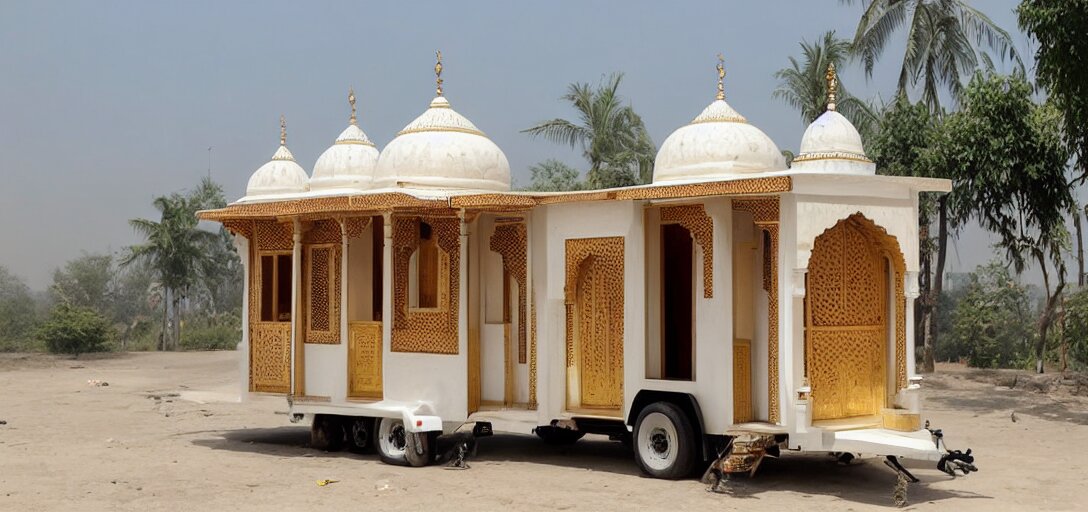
x,y
340,392
296,309
241,245
462,293
387,289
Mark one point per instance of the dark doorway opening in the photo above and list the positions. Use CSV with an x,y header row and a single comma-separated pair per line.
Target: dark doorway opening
x,y
677,298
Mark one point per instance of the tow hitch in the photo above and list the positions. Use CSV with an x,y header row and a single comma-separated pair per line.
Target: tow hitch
x,y
953,460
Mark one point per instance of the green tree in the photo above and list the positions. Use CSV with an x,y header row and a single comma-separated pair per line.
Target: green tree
x,y
905,135
552,175
1061,67
611,135
940,47
176,250
1009,164
803,85
85,282
992,323
18,312
1075,330
75,330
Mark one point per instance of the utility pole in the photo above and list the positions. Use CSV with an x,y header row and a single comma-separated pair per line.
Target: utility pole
x,y
209,162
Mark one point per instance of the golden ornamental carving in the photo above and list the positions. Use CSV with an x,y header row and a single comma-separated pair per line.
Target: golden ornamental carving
x,y
429,331
594,328
322,293
509,240
532,356
365,360
693,217
270,357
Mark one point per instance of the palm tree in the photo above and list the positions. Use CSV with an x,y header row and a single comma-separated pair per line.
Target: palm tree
x,y
804,85
611,135
175,249
940,49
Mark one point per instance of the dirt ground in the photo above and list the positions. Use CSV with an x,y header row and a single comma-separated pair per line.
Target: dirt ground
x,y
168,433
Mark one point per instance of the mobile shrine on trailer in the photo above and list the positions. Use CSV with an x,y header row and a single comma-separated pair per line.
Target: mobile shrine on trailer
x,y
732,308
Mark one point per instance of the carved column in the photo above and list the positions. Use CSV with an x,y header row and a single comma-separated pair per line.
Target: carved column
x,y
298,368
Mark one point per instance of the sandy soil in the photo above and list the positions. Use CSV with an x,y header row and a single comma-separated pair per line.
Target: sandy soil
x,y
166,435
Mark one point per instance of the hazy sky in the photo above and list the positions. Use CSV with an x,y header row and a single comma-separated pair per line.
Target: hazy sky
x,y
105,105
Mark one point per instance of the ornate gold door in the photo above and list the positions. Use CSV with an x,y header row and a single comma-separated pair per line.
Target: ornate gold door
x,y
365,360
846,331
595,319
742,381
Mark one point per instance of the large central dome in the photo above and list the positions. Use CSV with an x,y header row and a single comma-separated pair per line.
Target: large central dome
x,y
443,149
718,144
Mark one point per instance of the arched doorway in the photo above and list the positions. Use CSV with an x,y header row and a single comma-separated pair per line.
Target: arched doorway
x,y
594,290
848,332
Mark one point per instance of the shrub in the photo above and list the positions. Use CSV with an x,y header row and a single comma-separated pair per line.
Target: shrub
x,y
221,332
72,330
993,322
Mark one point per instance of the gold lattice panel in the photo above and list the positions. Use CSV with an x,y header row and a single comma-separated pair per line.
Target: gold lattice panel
x,y
765,214
431,331
900,332
365,360
354,226
273,236
324,231
509,241
693,217
846,327
846,371
322,298
241,227
595,298
270,357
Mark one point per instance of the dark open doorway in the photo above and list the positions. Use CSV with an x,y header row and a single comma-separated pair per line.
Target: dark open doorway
x,y
676,299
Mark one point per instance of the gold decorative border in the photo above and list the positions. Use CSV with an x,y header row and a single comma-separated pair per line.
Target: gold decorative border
x,y
609,252
426,331
693,217
509,240
765,213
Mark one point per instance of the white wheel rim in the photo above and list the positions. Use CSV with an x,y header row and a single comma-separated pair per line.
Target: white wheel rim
x,y
657,441
391,428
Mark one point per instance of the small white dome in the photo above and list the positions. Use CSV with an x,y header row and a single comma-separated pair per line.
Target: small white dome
x,y
349,163
281,175
443,149
719,143
831,144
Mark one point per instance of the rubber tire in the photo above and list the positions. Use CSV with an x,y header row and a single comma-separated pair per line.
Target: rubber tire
x,y
360,434
327,433
419,448
557,436
685,442
390,424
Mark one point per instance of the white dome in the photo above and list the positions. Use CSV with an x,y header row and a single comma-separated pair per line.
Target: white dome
x,y
719,143
349,163
442,149
281,175
831,144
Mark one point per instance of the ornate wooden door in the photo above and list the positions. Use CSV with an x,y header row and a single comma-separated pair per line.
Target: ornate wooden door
x,y
595,319
365,360
846,331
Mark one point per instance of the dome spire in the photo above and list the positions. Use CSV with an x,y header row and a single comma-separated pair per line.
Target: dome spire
x,y
283,130
438,72
351,101
721,78
832,86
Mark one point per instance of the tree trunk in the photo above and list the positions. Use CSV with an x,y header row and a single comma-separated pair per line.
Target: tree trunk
x,y
1046,317
924,308
938,281
165,318
1080,246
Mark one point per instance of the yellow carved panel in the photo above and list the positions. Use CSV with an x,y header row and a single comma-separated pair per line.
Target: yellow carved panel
x,y
270,357
322,297
846,371
365,360
595,298
742,381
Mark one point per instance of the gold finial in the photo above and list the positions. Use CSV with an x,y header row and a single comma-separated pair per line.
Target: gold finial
x,y
721,77
351,101
832,86
283,130
438,71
